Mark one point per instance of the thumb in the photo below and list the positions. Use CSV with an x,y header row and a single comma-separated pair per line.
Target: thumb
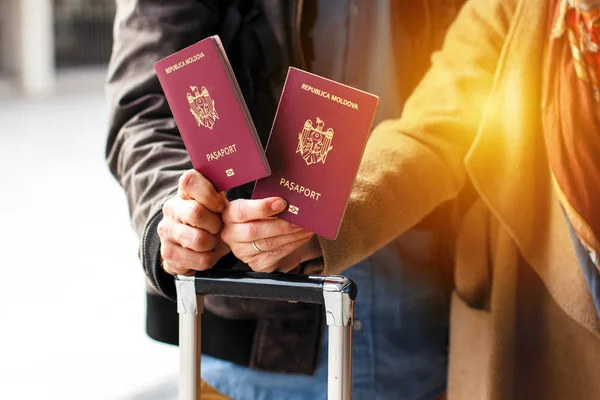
x,y
242,210
194,186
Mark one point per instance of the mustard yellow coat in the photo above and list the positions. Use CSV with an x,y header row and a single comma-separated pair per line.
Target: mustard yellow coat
x,y
523,325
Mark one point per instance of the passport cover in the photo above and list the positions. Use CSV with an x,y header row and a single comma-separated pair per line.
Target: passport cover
x,y
211,114
316,144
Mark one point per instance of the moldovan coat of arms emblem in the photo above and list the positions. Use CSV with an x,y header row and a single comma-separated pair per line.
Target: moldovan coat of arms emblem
x,y
202,107
313,143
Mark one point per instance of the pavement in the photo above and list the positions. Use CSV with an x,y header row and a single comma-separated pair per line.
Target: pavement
x,y
72,299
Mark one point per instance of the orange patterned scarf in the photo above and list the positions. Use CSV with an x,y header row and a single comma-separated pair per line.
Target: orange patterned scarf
x,y
571,95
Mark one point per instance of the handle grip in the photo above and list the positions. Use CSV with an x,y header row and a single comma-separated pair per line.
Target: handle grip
x,y
273,286
254,285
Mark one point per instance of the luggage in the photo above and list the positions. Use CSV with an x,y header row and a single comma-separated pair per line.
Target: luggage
x,y
336,293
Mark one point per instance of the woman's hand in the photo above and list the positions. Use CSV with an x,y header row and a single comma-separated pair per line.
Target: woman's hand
x,y
260,239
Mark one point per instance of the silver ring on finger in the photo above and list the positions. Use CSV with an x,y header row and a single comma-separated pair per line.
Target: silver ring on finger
x,y
258,249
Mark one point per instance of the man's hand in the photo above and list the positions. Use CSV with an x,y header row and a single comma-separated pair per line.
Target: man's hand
x,y
261,240
189,230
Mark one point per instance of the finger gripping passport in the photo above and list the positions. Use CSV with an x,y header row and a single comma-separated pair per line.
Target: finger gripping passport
x,y
211,114
314,150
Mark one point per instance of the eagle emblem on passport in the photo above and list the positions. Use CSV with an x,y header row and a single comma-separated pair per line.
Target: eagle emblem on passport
x,y
202,107
314,143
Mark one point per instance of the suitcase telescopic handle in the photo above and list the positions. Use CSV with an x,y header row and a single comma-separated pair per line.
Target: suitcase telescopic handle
x,y
336,293
275,286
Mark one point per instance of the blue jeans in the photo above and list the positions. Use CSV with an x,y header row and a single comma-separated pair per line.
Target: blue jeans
x,y
592,276
399,335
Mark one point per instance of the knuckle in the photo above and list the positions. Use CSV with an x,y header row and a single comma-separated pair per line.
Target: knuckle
x,y
285,227
173,269
276,251
252,230
162,229
186,179
199,239
267,244
193,238
263,267
167,251
195,210
204,261
256,267
178,270
239,211
172,207
168,268
167,206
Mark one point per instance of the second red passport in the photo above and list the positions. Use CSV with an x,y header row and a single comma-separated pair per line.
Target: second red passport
x,y
211,114
315,148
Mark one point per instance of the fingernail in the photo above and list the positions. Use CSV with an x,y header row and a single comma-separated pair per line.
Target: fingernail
x,y
278,205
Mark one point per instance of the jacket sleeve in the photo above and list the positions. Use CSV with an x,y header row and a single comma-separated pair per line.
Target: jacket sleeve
x,y
144,150
413,164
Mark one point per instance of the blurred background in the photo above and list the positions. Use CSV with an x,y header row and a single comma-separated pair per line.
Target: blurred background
x,y
72,302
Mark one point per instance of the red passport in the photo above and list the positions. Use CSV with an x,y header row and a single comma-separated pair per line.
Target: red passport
x,y
316,144
211,114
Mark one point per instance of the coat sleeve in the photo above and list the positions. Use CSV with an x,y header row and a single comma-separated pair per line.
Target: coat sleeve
x,y
413,164
144,150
